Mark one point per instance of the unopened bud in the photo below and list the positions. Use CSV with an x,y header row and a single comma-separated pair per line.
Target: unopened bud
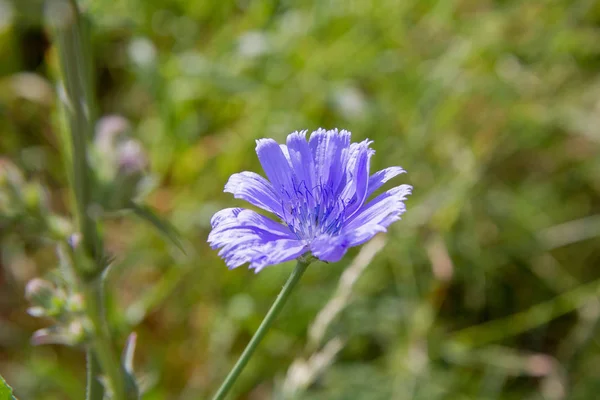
x,y
40,292
45,298
70,335
76,331
75,303
48,336
37,312
132,158
108,129
128,184
119,163
74,240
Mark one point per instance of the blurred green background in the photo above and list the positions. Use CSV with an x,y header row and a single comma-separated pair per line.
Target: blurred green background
x,y
493,108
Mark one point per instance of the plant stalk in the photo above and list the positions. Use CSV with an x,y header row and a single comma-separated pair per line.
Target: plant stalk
x,y
94,389
79,110
262,329
73,46
101,342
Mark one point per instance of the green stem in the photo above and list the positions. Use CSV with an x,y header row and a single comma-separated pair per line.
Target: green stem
x,y
94,391
79,110
262,329
101,341
73,45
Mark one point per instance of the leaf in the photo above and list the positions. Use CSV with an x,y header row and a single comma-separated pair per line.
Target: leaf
x,y
5,391
163,226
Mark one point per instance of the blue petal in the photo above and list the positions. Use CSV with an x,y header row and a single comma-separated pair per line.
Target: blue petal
x,y
237,254
275,165
357,171
301,159
364,234
224,215
245,236
380,177
355,192
327,148
244,225
382,210
255,189
286,154
277,252
234,224
329,248
227,236
262,253
249,218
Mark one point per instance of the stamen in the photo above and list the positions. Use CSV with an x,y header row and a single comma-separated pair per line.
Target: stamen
x,y
310,213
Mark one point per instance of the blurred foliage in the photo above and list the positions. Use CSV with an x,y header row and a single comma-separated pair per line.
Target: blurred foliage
x,y
491,106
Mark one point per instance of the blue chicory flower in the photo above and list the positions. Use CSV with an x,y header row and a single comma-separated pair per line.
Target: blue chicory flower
x,y
318,189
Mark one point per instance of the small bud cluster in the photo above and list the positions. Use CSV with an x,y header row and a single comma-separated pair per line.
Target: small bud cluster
x,y
48,300
24,205
120,163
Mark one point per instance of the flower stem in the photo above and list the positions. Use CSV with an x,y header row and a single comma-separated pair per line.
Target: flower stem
x,y
262,329
78,104
94,390
101,342
73,44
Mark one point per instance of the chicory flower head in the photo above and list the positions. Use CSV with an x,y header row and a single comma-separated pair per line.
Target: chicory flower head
x,y
318,189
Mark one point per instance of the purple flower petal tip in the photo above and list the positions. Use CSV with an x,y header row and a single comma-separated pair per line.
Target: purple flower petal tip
x,y
317,188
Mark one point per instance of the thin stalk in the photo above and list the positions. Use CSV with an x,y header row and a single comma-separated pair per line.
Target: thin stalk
x,y
73,50
94,390
262,329
101,341
67,24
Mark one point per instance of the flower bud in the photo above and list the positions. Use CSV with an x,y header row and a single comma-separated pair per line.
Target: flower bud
x,y
108,130
111,131
119,163
75,303
76,331
70,335
40,292
37,312
48,336
132,158
74,240
45,298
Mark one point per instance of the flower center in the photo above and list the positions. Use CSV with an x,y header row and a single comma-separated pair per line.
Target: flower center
x,y
313,212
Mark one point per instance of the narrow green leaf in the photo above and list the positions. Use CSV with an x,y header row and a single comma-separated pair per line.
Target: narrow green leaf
x,y
5,390
163,226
